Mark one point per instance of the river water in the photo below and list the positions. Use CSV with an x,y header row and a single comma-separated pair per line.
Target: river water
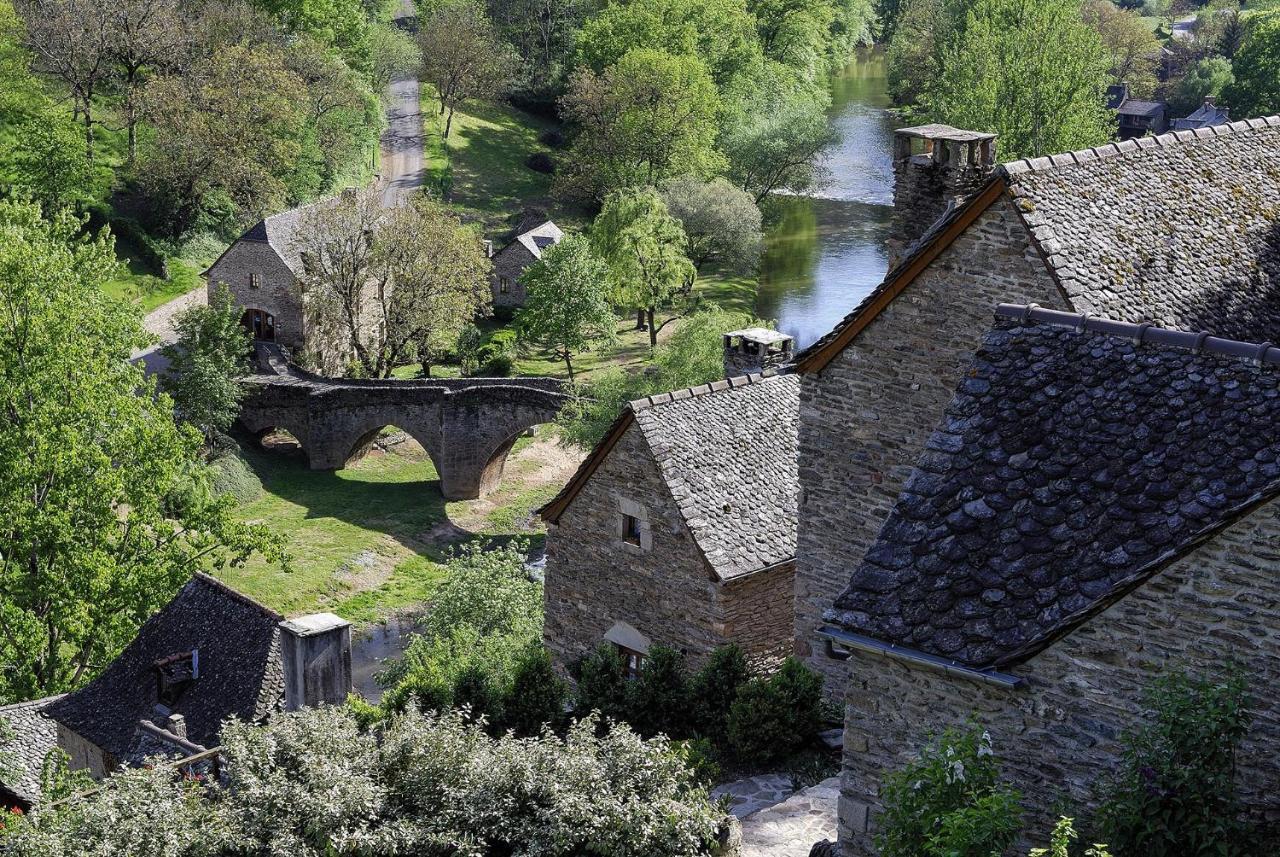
x,y
828,250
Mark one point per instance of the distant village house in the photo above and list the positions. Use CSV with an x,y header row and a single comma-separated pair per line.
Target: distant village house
x,y
510,262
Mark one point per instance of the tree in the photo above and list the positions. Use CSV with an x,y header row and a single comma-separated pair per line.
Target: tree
x,y
776,132
438,276
1133,48
720,32
1030,71
341,112
104,508
391,284
144,35
394,54
544,33
1256,89
643,246
567,305
647,118
462,57
721,223
795,32
1208,77
206,364
71,41
231,123
924,31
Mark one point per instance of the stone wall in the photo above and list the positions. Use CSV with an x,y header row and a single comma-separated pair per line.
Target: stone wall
x,y
510,262
83,754
277,292
1058,736
758,614
594,579
864,417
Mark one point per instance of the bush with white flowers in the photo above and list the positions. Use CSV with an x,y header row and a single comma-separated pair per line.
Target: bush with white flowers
x,y
949,802
312,784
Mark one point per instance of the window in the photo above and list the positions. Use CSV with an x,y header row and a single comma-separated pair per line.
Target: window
x,y
255,281
504,285
632,661
631,529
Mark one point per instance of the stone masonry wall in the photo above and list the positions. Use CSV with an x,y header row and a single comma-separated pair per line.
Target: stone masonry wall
x,y
865,417
510,262
758,614
594,579
1057,737
278,293
922,189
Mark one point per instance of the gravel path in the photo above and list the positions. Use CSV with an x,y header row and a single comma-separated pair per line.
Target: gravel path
x,y
403,173
159,323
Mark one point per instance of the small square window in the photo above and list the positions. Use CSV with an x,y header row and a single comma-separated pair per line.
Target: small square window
x,y
632,662
630,529
255,281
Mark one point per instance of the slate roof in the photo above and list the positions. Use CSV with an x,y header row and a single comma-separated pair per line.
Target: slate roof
x,y
728,453
1138,107
240,673
1180,229
1204,116
33,736
540,237
1076,460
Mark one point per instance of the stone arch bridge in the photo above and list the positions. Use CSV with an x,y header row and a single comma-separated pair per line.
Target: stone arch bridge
x,y
466,425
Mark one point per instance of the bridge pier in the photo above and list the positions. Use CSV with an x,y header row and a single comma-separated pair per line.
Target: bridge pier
x,y
467,426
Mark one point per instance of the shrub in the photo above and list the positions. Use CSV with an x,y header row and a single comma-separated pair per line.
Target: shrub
x,y
949,802
498,366
541,162
1064,833
537,695
773,717
231,475
657,701
552,137
601,684
714,688
1175,789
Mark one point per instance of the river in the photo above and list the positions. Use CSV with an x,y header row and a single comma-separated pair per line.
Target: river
x,y
827,250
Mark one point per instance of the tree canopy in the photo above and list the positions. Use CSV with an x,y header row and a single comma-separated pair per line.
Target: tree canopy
x,y
462,57
567,306
722,224
1256,88
104,507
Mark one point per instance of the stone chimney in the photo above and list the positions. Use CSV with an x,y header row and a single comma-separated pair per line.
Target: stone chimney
x,y
754,350
934,166
316,653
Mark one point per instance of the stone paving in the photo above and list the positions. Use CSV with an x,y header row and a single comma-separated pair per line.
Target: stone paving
x,y
790,828
755,793
159,323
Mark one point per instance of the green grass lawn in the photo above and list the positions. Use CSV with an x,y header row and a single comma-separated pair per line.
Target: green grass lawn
x,y
369,540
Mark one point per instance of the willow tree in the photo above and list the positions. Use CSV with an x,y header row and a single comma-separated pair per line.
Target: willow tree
x,y
644,248
105,508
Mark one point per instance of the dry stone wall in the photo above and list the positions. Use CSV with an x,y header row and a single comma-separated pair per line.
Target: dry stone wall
x,y
1058,735
864,418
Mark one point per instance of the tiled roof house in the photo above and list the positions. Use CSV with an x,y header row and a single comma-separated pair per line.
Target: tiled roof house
x,y
509,262
1181,230
30,736
1099,504
679,527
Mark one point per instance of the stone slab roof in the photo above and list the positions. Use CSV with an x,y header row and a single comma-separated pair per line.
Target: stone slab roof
x,y
728,452
540,237
945,132
1137,107
1181,229
240,673
33,736
1076,460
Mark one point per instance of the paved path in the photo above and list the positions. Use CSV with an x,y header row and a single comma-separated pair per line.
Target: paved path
x,y
403,172
792,827
1182,29
159,323
755,793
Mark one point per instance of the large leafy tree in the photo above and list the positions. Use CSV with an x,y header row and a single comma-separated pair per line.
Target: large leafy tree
x,y
795,32
720,32
647,118
463,57
1134,50
1208,77
1030,71
644,248
144,35
102,509
1256,90
721,223
567,306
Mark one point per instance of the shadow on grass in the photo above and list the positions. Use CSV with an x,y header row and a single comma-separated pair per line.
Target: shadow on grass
x,y
489,146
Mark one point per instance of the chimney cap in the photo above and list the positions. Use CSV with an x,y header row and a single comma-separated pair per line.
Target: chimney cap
x,y
760,334
944,132
314,623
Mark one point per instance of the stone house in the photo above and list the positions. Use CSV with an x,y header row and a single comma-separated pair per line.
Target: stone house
x,y
679,527
1179,230
1207,114
509,263
1099,503
1136,117
29,738
209,654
